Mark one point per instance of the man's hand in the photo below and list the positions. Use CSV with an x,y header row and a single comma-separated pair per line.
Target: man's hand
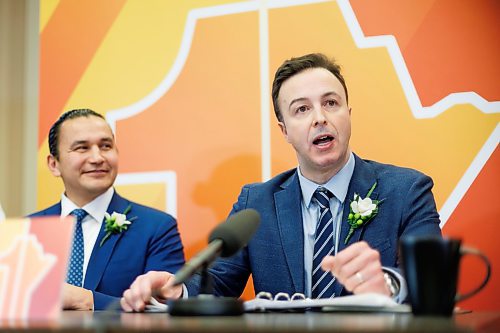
x,y
358,268
152,284
77,298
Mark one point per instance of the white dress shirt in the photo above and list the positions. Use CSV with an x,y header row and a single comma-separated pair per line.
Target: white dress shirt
x,y
91,224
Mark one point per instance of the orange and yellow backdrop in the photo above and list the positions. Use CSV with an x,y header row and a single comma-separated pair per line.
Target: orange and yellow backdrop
x,y
186,86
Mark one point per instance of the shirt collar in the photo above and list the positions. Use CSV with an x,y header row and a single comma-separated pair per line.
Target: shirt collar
x,y
96,208
338,184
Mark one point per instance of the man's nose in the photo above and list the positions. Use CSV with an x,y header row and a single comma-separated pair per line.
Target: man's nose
x,y
96,155
319,117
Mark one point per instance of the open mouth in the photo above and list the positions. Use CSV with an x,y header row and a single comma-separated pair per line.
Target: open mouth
x,y
323,140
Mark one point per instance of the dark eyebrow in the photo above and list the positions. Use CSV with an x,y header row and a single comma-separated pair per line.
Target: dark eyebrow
x,y
85,142
107,139
79,142
331,93
300,99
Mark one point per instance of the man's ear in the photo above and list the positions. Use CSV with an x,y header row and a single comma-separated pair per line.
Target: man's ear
x,y
350,109
53,165
283,130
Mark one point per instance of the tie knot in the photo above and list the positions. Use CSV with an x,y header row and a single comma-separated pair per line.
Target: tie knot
x,y
322,196
79,214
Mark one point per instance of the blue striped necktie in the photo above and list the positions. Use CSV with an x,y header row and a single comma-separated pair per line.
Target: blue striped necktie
x,y
323,282
75,270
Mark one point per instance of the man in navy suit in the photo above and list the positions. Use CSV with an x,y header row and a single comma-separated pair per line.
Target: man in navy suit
x,y
380,203
83,153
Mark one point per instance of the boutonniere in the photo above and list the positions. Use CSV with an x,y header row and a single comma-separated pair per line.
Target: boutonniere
x,y
116,223
362,211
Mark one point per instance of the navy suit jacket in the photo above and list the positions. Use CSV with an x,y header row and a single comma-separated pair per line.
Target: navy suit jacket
x,y
275,254
151,243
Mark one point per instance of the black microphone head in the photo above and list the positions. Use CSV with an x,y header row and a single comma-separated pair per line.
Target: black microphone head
x,y
236,231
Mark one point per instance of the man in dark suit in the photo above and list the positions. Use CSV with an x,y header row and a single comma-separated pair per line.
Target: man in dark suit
x,y
115,240
329,227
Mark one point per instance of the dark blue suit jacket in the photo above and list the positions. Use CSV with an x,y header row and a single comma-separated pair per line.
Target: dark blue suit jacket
x,y
275,255
151,243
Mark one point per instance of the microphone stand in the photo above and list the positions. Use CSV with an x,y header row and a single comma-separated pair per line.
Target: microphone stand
x,y
206,304
206,285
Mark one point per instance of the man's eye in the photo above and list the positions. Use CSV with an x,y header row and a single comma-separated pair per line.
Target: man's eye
x,y
302,109
80,148
106,146
331,102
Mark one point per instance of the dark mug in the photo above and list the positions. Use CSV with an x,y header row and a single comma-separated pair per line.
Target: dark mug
x,y
431,266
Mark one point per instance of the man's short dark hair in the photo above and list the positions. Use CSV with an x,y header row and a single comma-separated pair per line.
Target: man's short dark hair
x,y
296,65
55,129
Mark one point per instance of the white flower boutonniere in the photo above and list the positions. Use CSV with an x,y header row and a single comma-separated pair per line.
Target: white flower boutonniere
x,y
116,223
362,211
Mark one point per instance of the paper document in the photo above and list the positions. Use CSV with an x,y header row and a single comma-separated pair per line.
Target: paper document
x,y
155,306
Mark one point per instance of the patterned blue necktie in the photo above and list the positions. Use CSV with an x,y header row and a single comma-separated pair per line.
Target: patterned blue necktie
x,y
323,282
75,270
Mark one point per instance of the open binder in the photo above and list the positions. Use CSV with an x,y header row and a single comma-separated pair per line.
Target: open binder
x,y
370,302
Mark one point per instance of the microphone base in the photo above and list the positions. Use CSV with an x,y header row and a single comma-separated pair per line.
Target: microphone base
x,y
206,305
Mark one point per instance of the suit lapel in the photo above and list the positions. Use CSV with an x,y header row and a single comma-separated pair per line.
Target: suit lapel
x,y
101,254
289,213
362,180
52,210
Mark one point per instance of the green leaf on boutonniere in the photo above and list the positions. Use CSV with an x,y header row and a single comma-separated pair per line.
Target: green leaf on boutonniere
x,y
361,211
116,223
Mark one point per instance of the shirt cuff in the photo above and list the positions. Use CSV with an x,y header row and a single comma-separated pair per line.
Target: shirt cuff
x,y
185,293
400,296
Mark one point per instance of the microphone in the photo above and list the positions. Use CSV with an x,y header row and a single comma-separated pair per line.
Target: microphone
x,y
225,240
